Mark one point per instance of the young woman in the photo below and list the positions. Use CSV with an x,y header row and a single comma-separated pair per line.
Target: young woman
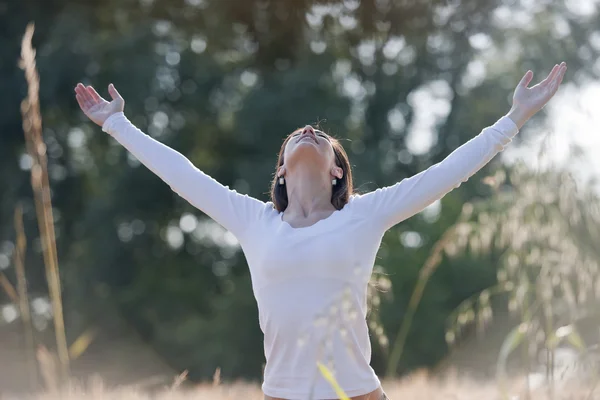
x,y
311,248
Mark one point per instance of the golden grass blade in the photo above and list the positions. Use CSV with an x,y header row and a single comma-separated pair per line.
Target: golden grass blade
x,y
331,379
9,288
81,344
32,128
179,379
217,377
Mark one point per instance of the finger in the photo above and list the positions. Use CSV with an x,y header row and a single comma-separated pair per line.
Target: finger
x,y
558,79
92,92
556,71
559,70
562,74
551,75
82,90
78,89
526,80
81,95
81,102
113,92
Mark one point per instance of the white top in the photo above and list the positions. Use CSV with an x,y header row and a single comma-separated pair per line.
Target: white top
x,y
310,283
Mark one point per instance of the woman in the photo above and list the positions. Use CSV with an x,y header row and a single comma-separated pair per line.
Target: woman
x,y
311,296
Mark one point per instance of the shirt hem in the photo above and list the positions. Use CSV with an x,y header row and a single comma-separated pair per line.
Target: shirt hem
x,y
287,394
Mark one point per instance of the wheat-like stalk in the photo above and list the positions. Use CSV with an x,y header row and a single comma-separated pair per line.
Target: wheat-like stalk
x,y
19,260
8,288
32,128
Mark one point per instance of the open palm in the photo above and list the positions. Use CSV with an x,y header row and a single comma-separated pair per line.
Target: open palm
x,y
533,99
95,107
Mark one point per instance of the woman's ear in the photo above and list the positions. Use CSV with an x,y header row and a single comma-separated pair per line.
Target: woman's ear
x,y
280,171
337,172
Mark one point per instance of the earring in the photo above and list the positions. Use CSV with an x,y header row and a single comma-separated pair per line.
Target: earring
x,y
334,181
281,180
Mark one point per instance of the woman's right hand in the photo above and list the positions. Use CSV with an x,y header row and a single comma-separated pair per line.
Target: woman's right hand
x,y
95,107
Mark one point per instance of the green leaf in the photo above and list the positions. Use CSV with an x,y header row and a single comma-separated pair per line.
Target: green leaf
x,y
576,341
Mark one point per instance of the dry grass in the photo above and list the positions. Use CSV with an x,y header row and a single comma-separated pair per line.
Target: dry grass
x,y
32,129
418,386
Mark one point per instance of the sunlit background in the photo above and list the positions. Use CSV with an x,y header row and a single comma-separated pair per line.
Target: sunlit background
x,y
500,277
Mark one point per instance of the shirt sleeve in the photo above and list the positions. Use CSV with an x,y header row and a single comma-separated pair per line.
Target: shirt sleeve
x,y
391,205
232,210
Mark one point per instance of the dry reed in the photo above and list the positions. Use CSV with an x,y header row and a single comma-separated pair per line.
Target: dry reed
x,y
19,260
32,128
8,287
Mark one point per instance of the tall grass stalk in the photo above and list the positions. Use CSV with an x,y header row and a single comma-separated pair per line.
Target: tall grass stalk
x,y
32,128
425,273
8,288
19,260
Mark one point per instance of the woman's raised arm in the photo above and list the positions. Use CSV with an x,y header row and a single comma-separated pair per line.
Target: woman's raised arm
x,y
391,205
232,210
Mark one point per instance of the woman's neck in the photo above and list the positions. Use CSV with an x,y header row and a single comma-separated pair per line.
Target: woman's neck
x,y
308,191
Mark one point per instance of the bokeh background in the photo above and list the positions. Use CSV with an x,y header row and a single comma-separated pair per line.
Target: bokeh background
x,y
151,287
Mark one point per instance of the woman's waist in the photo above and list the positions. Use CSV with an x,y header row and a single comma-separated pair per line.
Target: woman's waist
x,y
357,383
377,394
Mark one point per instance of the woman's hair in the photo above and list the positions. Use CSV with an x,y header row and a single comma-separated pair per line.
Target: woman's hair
x,y
341,191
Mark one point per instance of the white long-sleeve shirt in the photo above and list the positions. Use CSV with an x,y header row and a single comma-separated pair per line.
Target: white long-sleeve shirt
x,y
310,283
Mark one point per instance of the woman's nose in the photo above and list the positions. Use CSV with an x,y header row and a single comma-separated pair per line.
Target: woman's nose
x,y
308,129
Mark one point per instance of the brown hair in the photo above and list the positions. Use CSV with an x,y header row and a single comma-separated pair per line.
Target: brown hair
x,y
341,192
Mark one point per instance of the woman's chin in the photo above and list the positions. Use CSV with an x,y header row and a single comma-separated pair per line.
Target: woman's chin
x,y
307,153
307,143
306,147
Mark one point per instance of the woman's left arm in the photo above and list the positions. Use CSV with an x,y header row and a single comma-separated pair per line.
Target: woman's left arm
x,y
390,205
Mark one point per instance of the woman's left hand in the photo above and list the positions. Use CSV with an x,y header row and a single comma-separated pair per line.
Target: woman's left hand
x,y
528,101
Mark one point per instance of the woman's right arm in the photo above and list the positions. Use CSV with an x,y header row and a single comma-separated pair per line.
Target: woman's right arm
x,y
232,210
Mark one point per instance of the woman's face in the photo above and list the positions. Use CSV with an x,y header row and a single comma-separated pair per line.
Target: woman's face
x,y
309,145
311,148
